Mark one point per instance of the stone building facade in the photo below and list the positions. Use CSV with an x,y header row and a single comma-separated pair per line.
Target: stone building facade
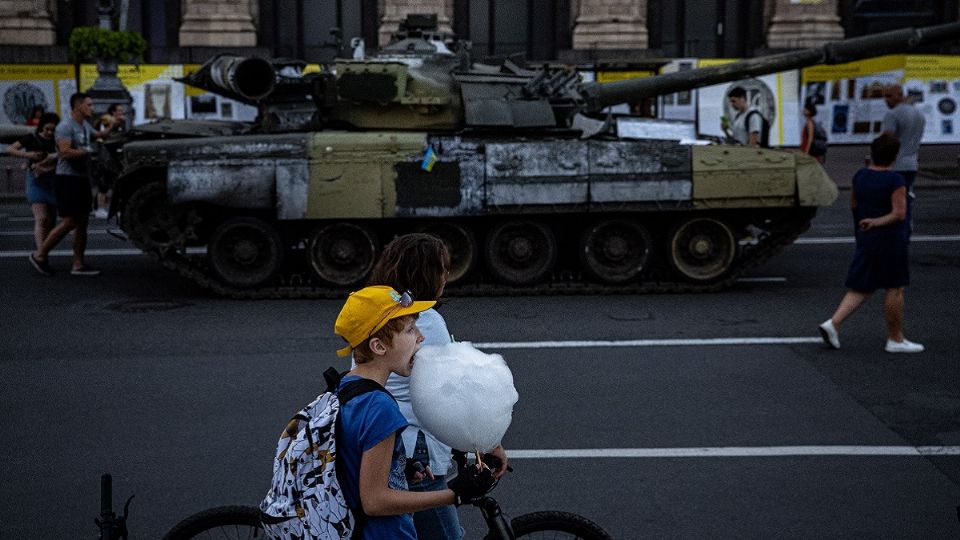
x,y
192,30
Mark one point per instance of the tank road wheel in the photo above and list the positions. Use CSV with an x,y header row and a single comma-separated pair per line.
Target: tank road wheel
x,y
342,253
615,250
460,243
156,225
245,252
702,249
520,252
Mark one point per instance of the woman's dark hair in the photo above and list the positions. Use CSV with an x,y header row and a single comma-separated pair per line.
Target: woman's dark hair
x,y
415,262
884,149
47,118
809,106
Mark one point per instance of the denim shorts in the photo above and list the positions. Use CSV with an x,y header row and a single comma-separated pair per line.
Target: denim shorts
x,y
40,190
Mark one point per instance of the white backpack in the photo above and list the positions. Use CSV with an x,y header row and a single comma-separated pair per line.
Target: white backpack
x,y
305,501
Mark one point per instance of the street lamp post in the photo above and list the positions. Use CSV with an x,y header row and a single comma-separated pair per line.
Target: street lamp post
x,y
108,90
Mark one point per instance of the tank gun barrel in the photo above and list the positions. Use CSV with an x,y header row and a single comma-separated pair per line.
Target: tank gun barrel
x,y
598,96
245,79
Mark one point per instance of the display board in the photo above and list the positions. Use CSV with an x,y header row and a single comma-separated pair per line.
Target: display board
x,y
23,86
850,100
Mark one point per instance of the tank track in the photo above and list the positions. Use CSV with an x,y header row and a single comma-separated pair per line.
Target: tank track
x,y
194,268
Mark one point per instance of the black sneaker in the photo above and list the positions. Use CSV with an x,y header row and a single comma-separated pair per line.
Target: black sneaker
x,y
42,266
85,271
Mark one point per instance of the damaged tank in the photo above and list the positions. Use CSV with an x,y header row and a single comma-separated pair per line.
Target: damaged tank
x,y
492,159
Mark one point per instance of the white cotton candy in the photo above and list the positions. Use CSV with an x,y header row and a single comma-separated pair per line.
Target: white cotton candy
x,y
464,397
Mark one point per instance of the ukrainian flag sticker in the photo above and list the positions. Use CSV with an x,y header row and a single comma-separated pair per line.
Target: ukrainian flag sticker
x,y
429,159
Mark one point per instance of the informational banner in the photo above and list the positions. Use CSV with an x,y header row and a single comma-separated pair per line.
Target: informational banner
x,y
850,103
24,86
775,96
933,85
849,97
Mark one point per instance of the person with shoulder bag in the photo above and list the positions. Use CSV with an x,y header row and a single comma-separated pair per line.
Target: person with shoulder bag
x,y
813,138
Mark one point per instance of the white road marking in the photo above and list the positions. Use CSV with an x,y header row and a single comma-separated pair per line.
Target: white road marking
x,y
851,240
762,280
93,252
30,233
645,343
735,451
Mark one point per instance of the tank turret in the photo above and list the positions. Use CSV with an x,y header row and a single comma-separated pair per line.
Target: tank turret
x,y
421,81
417,137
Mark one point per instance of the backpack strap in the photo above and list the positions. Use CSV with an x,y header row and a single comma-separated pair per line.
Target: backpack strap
x,y
349,391
359,387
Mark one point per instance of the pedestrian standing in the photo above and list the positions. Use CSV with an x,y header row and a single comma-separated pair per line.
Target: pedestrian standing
x,y
40,150
74,137
36,112
878,197
419,263
813,139
905,122
747,123
113,122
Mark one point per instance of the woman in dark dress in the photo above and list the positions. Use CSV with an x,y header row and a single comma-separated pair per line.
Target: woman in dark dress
x,y
878,197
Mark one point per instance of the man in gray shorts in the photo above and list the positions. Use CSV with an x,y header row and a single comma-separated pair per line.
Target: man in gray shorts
x,y
74,137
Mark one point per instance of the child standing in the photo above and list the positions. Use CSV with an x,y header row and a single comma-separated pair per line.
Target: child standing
x,y
420,263
379,326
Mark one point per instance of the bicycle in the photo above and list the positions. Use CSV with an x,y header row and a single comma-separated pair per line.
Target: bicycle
x,y
243,522
236,522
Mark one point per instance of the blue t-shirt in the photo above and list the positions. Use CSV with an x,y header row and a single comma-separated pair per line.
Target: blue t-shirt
x,y
365,421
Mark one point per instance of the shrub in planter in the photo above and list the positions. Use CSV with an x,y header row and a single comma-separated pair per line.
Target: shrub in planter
x,y
94,43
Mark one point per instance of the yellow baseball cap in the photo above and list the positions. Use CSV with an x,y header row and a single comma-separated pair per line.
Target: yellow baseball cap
x,y
368,310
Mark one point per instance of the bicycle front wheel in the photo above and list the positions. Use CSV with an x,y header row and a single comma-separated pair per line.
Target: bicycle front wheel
x,y
224,522
556,525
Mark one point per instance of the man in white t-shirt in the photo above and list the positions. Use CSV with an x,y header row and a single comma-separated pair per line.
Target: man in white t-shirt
x,y
746,127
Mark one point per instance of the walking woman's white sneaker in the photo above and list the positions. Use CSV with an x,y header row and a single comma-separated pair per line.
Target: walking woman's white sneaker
x,y
904,346
829,334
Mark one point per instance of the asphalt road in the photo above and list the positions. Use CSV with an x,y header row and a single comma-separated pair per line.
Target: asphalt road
x,y
698,416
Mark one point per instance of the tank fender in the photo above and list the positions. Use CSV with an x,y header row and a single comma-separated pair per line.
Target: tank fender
x,y
814,186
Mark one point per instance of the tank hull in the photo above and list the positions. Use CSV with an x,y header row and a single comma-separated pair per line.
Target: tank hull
x,y
304,214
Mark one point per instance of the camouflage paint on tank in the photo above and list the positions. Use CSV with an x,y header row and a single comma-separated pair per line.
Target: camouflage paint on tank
x,y
198,172
417,95
814,186
743,177
353,174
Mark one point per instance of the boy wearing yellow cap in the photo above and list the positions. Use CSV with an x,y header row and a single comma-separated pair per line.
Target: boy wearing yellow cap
x,y
379,326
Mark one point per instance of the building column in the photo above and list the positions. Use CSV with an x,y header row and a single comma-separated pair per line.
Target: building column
x,y
217,23
611,24
26,22
394,12
800,25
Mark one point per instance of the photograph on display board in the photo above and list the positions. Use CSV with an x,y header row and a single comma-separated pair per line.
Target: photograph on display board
x,y
816,93
839,123
156,99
